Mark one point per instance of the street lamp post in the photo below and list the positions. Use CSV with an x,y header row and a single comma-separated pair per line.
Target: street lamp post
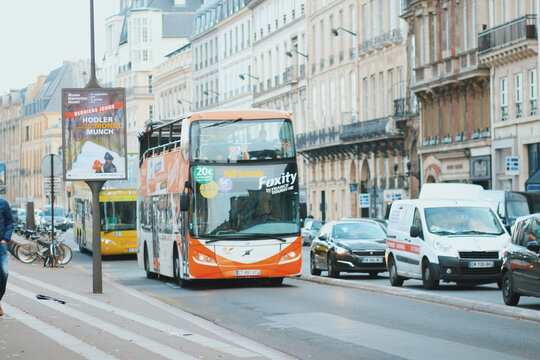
x,y
289,53
336,33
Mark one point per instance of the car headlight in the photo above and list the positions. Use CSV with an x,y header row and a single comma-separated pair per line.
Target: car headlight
x,y
340,250
442,246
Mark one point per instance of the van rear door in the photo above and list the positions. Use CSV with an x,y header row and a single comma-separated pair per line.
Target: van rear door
x,y
398,239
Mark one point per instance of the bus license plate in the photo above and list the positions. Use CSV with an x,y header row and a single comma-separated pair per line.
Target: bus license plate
x,y
248,272
132,249
480,264
372,259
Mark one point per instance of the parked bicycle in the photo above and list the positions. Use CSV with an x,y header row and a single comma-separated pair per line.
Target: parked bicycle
x,y
51,250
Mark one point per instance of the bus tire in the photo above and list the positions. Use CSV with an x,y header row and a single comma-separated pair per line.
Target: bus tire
x,y
149,274
275,281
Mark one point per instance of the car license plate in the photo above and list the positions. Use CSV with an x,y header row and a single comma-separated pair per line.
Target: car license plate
x,y
248,272
480,264
372,259
132,249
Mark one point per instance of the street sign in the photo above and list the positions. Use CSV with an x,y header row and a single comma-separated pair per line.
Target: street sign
x,y
353,187
512,165
363,200
51,168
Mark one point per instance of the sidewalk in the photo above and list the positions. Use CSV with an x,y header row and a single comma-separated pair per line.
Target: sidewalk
x,y
120,323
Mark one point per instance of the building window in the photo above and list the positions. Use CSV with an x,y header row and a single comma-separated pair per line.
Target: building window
x,y
504,99
534,158
532,92
353,96
149,84
519,109
27,133
150,111
314,107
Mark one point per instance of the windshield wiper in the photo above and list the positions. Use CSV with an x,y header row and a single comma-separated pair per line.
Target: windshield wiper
x,y
477,232
443,232
263,235
224,122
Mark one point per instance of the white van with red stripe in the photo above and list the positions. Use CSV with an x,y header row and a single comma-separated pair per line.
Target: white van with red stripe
x,y
444,240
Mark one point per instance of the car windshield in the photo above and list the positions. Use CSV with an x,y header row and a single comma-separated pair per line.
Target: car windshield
x,y
317,225
462,221
235,140
358,231
58,211
118,215
516,209
243,201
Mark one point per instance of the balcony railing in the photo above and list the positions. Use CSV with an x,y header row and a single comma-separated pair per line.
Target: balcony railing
x,y
504,113
405,107
511,32
375,128
367,129
302,71
138,90
519,110
318,137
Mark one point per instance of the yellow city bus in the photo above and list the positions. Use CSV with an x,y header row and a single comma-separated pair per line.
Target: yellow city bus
x,y
118,207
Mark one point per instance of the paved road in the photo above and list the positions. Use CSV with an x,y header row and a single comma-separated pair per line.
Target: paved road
x,y
310,320
487,293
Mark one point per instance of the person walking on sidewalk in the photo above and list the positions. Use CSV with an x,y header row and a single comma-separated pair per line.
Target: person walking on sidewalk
x,y
6,229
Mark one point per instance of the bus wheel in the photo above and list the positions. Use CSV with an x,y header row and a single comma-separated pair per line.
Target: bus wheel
x,y
149,274
276,281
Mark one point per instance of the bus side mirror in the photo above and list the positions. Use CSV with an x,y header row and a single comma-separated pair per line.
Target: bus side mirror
x,y
184,201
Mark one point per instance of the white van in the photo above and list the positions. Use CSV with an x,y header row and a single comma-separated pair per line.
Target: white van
x,y
449,240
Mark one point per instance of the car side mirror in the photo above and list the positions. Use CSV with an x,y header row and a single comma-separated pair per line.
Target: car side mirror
x,y
323,237
416,231
500,210
533,246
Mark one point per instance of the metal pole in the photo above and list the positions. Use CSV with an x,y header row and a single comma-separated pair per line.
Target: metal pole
x,y
95,186
92,83
52,196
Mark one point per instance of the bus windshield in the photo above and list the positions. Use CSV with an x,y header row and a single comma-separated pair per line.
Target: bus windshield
x,y
235,140
118,215
239,202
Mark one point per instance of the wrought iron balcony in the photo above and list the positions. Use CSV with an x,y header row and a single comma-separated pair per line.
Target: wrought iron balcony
x,y
368,129
506,34
532,107
406,107
318,137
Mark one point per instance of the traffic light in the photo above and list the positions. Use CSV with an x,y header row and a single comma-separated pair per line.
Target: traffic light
x,y
68,193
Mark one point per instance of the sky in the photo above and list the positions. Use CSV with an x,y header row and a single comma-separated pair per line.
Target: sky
x,y
37,36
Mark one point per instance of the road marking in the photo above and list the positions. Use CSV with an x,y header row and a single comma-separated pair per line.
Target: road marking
x,y
259,349
133,338
63,339
399,343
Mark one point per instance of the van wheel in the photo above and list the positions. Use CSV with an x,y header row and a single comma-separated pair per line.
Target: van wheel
x,y
395,279
332,271
312,267
510,297
429,281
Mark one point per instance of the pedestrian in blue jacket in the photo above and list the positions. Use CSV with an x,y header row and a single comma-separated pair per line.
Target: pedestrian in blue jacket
x,y
6,229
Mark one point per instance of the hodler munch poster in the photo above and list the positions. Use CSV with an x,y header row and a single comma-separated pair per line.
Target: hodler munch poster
x,y
94,134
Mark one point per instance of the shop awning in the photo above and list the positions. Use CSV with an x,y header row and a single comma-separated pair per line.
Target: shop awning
x,y
533,183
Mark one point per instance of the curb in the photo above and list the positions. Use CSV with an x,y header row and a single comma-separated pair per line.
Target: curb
x,y
464,304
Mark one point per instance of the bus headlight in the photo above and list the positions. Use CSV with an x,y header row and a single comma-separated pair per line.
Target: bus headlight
x,y
290,256
107,241
203,259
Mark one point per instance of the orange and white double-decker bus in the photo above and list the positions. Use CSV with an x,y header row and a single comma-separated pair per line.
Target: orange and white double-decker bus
x,y
219,197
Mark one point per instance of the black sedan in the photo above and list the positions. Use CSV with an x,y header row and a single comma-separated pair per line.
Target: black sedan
x,y
349,246
521,266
